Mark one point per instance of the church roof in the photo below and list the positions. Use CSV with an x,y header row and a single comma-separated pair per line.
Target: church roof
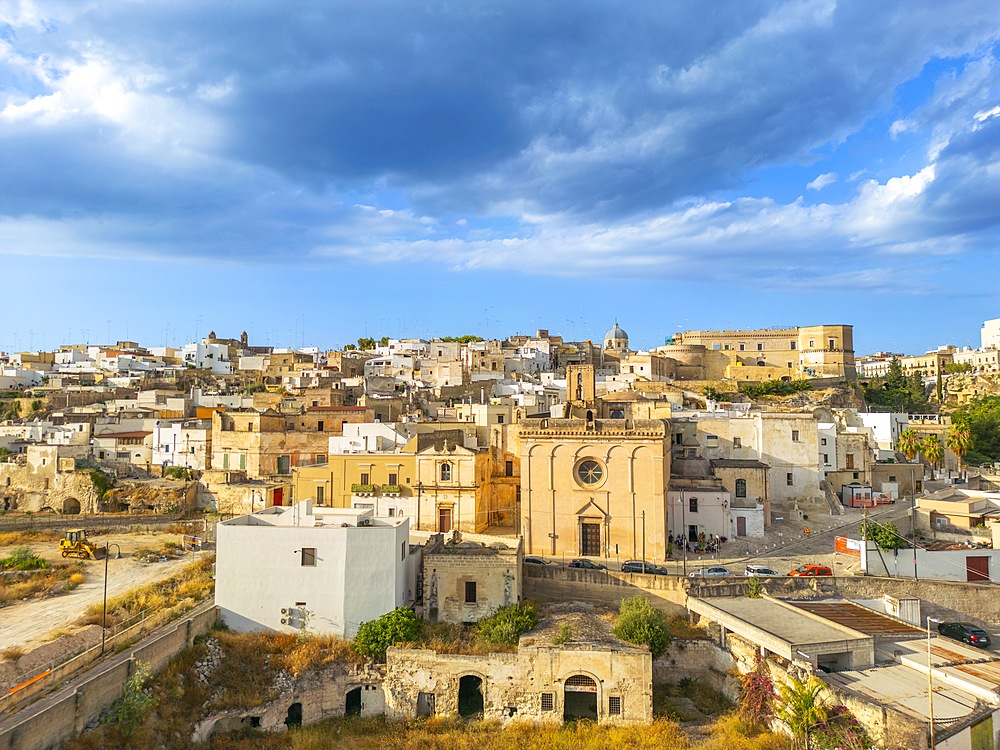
x,y
615,333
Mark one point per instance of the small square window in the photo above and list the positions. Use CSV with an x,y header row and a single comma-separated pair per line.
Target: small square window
x,y
788,479
548,702
793,345
614,705
760,347
822,441
309,557
737,442
892,477
795,436
470,592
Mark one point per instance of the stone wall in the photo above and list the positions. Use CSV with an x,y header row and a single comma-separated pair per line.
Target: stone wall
x,y
77,707
550,583
700,660
513,685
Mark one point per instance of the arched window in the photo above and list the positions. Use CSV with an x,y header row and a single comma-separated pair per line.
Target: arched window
x,y
445,472
741,488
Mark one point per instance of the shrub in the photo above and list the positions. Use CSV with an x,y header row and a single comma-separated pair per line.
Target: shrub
x,y
507,625
757,694
640,623
565,634
375,636
137,701
774,388
22,558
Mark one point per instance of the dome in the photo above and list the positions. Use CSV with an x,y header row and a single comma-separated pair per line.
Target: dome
x,y
615,333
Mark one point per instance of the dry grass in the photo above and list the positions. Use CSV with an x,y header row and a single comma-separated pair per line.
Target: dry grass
x,y
53,581
682,629
11,538
446,638
182,591
444,734
12,653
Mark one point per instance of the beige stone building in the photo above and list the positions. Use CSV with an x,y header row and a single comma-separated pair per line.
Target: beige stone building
x,y
595,487
825,351
466,581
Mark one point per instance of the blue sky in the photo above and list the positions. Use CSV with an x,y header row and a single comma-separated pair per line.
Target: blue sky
x,y
316,171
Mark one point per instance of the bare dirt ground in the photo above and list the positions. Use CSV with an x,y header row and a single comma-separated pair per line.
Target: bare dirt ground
x,y
29,623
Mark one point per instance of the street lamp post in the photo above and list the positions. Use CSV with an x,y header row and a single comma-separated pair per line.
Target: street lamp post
x,y
104,617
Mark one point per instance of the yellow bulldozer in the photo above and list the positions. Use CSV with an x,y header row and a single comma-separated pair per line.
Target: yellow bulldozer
x,y
76,544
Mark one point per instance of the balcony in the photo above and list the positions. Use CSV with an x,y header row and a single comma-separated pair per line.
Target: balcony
x,y
363,490
391,490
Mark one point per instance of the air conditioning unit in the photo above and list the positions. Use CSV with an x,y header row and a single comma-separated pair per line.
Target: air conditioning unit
x,y
365,522
282,620
284,611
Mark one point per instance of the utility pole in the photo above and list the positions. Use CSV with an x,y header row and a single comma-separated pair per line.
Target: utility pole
x,y
644,541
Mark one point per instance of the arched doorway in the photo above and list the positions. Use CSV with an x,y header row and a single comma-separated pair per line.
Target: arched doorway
x,y
71,506
294,718
579,698
353,706
470,696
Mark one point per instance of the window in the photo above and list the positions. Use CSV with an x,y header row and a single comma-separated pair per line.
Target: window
x,y
716,347
308,557
792,345
788,479
319,495
365,478
402,551
760,347
737,442
741,488
693,504
725,347
508,468
499,418
614,705
743,347
892,477
319,426
393,479
795,436
833,344
826,459
470,592
856,476
822,441
548,702
812,343
589,472
849,461
445,472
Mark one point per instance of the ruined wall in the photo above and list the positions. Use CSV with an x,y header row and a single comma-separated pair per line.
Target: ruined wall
x,y
32,487
701,660
496,577
513,684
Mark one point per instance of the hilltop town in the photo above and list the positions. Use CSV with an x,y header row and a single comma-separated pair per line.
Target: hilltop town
x,y
493,514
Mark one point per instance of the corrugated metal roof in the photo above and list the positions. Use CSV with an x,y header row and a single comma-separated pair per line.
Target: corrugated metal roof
x,y
856,617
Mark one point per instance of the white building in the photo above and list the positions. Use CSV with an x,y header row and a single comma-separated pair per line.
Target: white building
x,y
324,570
887,428
214,357
187,444
990,334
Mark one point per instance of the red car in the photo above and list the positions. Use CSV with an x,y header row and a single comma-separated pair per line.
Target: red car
x,y
811,570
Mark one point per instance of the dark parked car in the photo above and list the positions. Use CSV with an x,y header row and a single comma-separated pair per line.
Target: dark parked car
x,y
638,566
586,564
966,633
532,560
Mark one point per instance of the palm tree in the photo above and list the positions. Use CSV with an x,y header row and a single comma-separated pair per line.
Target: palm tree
x,y
959,441
908,443
800,707
933,450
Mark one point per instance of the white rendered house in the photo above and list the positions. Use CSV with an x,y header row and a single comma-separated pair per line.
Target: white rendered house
x,y
322,570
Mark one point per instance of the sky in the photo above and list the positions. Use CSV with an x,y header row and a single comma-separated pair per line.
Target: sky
x,y
312,172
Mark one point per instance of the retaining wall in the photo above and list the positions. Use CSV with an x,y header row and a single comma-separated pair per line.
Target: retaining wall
x,y
77,707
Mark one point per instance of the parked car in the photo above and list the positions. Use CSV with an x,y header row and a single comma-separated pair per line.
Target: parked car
x,y
811,570
966,633
760,570
715,570
581,562
532,560
638,566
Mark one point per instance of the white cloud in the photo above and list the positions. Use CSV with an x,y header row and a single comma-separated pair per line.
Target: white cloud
x,y
822,181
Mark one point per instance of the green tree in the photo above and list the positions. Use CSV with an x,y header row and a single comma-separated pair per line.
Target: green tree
x,y
959,441
384,341
896,391
36,405
885,535
801,708
366,344
982,418
933,450
640,623
908,444
507,624
392,628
